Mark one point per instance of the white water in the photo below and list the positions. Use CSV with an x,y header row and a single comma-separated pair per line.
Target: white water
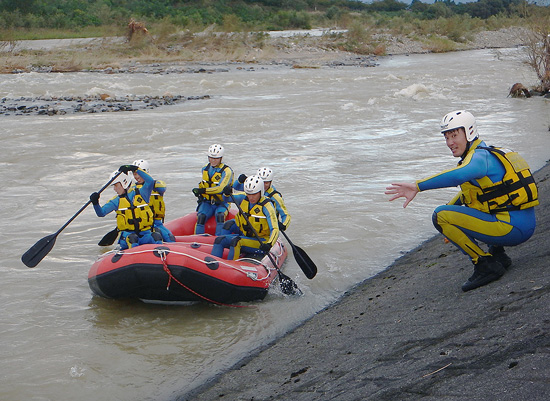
x,y
335,138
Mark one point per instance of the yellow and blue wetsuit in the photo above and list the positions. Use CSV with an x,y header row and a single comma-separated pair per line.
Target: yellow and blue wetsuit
x,y
280,207
157,205
276,198
134,216
479,214
239,237
212,203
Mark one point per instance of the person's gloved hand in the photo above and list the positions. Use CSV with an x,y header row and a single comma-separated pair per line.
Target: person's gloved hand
x,y
242,178
94,198
127,168
265,247
199,191
227,190
282,227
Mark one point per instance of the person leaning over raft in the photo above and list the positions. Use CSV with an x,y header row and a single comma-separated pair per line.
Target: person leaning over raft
x,y
495,204
156,201
134,217
260,212
215,177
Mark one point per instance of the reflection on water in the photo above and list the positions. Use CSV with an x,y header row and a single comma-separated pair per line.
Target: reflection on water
x,y
334,137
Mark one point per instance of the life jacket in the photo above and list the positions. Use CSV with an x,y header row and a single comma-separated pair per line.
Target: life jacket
x,y
209,182
256,217
516,191
136,216
156,202
269,195
278,203
271,192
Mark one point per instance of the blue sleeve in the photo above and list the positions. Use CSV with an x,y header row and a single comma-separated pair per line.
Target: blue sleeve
x,y
107,208
160,187
148,185
225,180
237,186
238,198
477,167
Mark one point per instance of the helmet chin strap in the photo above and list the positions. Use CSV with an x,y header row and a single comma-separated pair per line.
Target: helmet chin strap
x,y
467,149
465,152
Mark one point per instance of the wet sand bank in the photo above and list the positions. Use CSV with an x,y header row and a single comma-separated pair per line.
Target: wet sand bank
x,y
411,333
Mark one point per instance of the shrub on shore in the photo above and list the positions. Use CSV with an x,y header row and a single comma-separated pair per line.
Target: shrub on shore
x,y
238,35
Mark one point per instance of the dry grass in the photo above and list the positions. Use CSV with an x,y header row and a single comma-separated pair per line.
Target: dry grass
x,y
438,44
169,46
181,47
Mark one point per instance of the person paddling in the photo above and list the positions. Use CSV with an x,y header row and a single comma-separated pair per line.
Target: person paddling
x,y
156,201
495,204
133,215
238,235
266,174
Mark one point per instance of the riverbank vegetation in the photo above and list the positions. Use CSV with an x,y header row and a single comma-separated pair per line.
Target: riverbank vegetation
x,y
46,19
26,18
216,30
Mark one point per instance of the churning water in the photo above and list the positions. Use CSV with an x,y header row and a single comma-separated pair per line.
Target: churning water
x,y
335,138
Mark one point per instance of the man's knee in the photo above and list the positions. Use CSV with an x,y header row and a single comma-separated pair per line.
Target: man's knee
x,y
132,240
435,221
220,218
235,241
440,217
201,218
157,236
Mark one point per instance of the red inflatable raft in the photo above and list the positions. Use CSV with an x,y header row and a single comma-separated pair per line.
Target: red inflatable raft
x,y
184,271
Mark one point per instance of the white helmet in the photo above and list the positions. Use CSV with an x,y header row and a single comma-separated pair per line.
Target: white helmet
x,y
458,119
215,151
124,179
253,185
142,164
266,174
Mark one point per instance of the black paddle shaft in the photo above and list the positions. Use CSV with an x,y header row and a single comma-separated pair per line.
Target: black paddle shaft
x,y
39,250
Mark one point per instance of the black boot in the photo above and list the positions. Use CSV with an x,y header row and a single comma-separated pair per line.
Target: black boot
x,y
500,256
486,269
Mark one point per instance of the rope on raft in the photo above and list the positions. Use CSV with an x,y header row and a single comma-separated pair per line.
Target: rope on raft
x,y
171,277
162,253
219,260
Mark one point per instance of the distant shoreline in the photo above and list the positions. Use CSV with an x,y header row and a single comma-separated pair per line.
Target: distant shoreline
x,y
287,48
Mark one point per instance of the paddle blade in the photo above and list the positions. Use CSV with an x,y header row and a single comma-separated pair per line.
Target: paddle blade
x,y
304,261
38,251
109,238
288,287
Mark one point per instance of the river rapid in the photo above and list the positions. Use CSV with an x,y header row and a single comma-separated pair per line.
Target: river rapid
x,y
335,137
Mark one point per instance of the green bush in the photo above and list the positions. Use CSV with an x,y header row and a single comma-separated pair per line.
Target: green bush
x,y
400,17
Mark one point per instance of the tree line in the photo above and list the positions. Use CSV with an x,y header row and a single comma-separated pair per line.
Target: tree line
x,y
251,14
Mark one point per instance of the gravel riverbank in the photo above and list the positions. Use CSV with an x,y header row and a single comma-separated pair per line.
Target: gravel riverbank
x,y
297,49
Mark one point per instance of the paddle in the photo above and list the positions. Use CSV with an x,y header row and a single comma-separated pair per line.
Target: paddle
x,y
39,250
288,286
302,258
109,238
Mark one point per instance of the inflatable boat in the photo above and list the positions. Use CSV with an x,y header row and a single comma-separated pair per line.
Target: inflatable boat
x,y
184,271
